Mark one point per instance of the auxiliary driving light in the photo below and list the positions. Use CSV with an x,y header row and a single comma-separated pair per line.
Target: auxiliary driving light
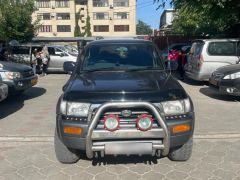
x,y
144,122
111,122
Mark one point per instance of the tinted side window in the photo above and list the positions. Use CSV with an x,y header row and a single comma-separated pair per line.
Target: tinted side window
x,y
51,51
222,48
21,50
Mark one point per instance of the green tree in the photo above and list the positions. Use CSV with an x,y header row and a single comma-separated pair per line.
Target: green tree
x,y
77,30
143,28
205,17
16,20
88,32
88,27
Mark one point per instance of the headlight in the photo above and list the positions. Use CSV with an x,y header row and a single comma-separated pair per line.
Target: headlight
x,y
144,122
12,75
176,107
232,76
111,122
74,108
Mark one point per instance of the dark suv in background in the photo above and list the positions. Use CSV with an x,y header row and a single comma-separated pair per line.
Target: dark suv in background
x,y
120,100
18,77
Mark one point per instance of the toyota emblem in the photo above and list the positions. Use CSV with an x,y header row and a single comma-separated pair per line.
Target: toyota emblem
x,y
126,113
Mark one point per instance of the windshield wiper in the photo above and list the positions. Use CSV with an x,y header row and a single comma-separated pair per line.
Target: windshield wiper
x,y
104,69
144,69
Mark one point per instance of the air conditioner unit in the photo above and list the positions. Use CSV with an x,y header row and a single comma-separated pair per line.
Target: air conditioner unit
x,y
52,15
111,6
53,7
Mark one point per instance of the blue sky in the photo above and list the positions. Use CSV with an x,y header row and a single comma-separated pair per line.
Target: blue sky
x,y
146,11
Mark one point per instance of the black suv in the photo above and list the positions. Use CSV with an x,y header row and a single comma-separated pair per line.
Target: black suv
x,y
18,77
120,100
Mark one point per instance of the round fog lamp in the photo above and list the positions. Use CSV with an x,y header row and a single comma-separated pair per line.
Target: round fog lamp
x,y
144,122
111,122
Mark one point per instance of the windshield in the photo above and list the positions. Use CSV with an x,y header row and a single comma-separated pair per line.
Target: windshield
x,y
121,56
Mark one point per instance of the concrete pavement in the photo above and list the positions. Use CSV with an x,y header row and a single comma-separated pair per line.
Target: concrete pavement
x,y
211,159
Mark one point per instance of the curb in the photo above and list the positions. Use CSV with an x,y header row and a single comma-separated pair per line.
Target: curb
x,y
51,138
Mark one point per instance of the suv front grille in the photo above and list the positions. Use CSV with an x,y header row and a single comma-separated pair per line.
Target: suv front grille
x,y
126,122
26,74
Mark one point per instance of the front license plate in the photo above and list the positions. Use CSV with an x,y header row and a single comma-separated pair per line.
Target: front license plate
x,y
128,148
34,81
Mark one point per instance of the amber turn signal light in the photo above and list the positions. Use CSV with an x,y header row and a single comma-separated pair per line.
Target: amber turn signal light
x,y
72,130
181,128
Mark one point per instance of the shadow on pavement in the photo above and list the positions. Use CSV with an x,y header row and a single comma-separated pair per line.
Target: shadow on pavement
x,y
108,160
212,93
13,103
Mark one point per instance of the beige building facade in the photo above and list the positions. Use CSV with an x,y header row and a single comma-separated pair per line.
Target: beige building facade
x,y
58,18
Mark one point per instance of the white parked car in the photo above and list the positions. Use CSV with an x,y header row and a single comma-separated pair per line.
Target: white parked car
x,y
58,55
207,55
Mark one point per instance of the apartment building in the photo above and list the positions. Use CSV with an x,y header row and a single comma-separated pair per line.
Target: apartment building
x,y
107,17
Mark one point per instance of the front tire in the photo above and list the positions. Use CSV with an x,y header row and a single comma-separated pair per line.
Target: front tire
x,y
64,154
182,153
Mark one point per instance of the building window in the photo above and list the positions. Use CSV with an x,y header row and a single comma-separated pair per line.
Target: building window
x,y
63,28
44,16
100,3
43,3
81,2
100,16
121,28
63,16
45,28
121,15
120,3
62,3
101,28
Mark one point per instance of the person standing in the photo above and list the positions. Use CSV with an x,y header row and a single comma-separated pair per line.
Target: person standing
x,y
45,60
173,58
34,60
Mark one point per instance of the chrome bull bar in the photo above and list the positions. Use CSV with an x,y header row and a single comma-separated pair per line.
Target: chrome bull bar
x,y
166,136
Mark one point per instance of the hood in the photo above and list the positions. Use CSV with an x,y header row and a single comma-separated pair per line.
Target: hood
x,y
229,69
128,86
15,67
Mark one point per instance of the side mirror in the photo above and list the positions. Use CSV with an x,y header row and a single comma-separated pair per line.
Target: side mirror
x,y
62,54
69,66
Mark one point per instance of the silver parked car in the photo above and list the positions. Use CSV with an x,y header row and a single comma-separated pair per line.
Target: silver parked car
x,y
206,56
3,88
58,55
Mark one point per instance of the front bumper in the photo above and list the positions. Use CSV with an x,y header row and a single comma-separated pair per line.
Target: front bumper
x,y
227,87
21,84
148,142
